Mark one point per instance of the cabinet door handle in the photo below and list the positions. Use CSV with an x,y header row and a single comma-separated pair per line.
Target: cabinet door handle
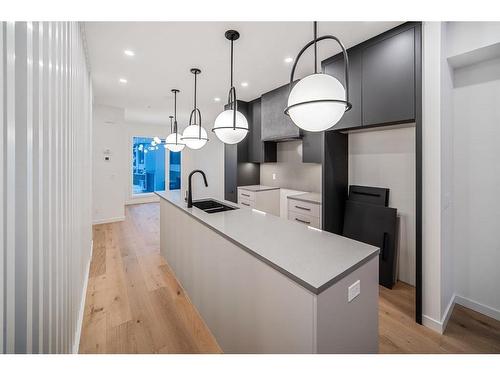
x,y
245,204
303,221
303,208
245,195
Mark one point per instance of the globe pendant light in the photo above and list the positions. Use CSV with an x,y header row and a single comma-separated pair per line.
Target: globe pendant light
x,y
173,141
231,126
318,101
195,136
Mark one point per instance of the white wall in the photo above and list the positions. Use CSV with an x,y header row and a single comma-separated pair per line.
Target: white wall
x,y
476,177
447,186
45,185
460,142
386,158
209,159
463,37
112,181
431,174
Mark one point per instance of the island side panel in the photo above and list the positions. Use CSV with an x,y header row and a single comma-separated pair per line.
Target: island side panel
x,y
248,306
350,327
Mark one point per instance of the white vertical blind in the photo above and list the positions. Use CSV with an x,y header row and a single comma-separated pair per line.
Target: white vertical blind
x,y
45,185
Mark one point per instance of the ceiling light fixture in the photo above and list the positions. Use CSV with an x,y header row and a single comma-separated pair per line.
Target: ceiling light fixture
x,y
216,99
231,126
123,80
288,60
244,84
195,136
173,141
318,101
129,52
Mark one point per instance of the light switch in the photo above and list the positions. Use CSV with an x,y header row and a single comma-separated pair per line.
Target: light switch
x,y
353,291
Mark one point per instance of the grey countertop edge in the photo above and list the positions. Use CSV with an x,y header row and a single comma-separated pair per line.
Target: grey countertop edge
x,y
291,276
298,197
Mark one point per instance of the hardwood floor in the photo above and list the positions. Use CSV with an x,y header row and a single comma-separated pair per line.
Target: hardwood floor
x,y
467,331
135,305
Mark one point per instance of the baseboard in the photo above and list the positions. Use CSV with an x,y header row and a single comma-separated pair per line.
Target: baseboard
x,y
447,312
150,198
110,220
478,307
433,324
440,326
79,324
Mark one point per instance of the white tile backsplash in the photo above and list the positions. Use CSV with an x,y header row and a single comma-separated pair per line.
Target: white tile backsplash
x,y
289,171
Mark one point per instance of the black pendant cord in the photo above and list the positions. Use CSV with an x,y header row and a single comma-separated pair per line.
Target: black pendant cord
x,y
175,115
195,107
232,90
346,70
170,117
315,33
195,116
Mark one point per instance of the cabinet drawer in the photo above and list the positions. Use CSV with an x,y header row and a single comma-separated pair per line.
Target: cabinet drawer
x,y
304,219
245,194
304,208
246,203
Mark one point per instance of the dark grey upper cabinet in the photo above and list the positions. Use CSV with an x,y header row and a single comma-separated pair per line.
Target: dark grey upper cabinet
x,y
312,147
388,84
258,150
242,147
275,124
335,67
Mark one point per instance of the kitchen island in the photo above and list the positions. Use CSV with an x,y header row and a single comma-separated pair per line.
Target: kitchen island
x,y
263,284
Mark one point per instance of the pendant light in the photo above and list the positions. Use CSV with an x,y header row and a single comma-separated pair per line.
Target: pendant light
x,y
195,136
173,141
318,101
231,126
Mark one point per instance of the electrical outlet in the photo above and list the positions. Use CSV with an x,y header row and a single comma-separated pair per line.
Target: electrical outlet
x,y
274,176
353,291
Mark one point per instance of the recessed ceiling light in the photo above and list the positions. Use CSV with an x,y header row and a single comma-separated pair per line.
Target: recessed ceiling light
x,y
123,80
129,52
217,99
244,84
288,60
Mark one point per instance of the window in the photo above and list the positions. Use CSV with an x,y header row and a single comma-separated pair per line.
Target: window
x,y
148,166
174,171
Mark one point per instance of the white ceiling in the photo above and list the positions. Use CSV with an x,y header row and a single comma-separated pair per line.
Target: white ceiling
x,y
165,52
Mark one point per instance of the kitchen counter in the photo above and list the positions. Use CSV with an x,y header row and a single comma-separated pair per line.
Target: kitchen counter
x,y
312,258
307,197
268,285
257,188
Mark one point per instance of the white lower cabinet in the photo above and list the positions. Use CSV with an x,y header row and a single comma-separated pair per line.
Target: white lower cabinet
x,y
265,200
307,213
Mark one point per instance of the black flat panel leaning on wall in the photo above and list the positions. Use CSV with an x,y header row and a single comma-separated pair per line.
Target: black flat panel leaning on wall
x,y
335,181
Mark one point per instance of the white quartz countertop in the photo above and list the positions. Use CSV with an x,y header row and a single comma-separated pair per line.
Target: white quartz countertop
x,y
258,188
307,197
312,258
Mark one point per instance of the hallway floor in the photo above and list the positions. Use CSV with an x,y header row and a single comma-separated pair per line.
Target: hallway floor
x,y
135,305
